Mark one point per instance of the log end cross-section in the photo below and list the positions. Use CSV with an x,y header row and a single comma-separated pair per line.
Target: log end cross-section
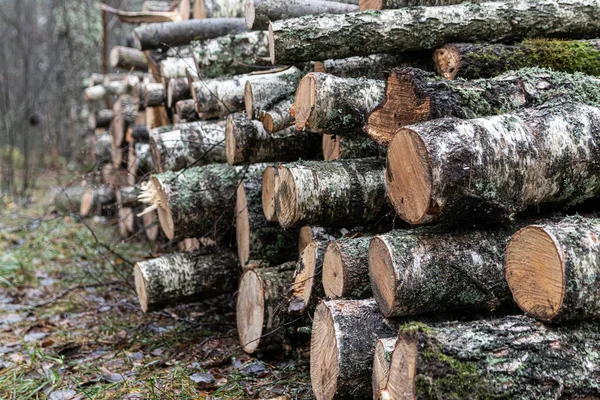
x,y
324,360
250,313
383,275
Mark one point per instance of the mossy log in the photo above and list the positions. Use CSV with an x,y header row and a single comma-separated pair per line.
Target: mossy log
x,y
472,61
342,193
155,95
491,168
181,278
186,110
346,268
510,358
193,144
156,36
395,4
374,66
68,200
128,58
342,147
307,286
176,67
258,13
328,104
248,142
417,28
344,336
124,116
381,365
413,96
230,54
258,240
260,95
112,88
94,199
178,89
100,119
103,148
278,117
553,269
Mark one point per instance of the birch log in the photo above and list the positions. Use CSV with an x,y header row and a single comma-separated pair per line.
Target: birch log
x,y
413,96
344,336
492,168
100,119
349,146
374,66
186,110
155,95
128,58
103,148
553,269
513,357
381,365
394,4
68,200
307,286
329,104
419,28
268,193
178,89
95,198
124,116
181,278
278,117
346,268
113,88
260,95
176,67
218,9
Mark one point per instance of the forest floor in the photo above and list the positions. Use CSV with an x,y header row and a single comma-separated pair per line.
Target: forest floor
x,y
71,326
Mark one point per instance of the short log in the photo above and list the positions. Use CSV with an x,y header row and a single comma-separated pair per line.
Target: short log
x,y
128,58
346,268
278,117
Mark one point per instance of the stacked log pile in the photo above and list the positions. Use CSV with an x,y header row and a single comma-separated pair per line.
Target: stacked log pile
x,y
303,185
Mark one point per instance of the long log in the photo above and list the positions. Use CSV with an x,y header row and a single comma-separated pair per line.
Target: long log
x,y
344,336
95,198
124,116
381,365
395,4
513,357
278,117
248,142
128,58
374,66
346,268
472,61
553,269
186,110
155,95
336,193
193,144
492,168
349,146
155,36
180,278
261,95
420,28
142,17
413,96
100,119
177,90
258,13
230,54
329,104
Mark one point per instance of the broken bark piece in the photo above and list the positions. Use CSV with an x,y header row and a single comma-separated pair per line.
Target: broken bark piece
x,y
268,193
278,117
349,146
346,268
553,269
381,364
491,168
181,278
186,110
261,95
100,119
95,198
178,89
344,336
128,58
374,66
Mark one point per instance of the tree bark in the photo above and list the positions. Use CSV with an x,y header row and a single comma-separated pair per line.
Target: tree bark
x,y
328,104
346,268
374,66
472,61
248,142
343,193
155,95
230,54
413,96
344,336
316,234
218,9
492,168
278,117
155,36
178,89
381,365
128,58
94,199
260,95
553,269
258,13
193,144
143,17
176,67
100,119
124,115
186,110
395,4
513,357
181,278
420,28
349,146
103,148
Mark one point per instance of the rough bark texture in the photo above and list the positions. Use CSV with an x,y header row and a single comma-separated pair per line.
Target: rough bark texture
x,y
374,66
472,61
193,144
349,146
329,104
248,142
128,58
394,4
176,67
345,333
181,278
492,168
100,119
258,13
186,110
346,268
177,90
124,116
154,36
261,95
417,28
103,148
381,365
230,54
508,358
414,96
278,117
337,193
155,95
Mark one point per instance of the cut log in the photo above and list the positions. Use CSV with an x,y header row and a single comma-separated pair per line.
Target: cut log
x,y
193,144
177,90
114,177
181,278
261,95
262,320
329,104
553,270
68,200
472,61
307,286
342,193
98,92
94,199
100,119
139,162
124,115
349,146
151,226
186,110
417,28
346,268
248,142
103,148
230,54
374,66
316,234
142,17
395,4
127,222
344,336
155,36
154,95
268,193
128,58
218,9
381,365
195,202
259,240
491,168
413,96
176,67
127,196
500,358
258,13
278,117
156,117
137,133
185,9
